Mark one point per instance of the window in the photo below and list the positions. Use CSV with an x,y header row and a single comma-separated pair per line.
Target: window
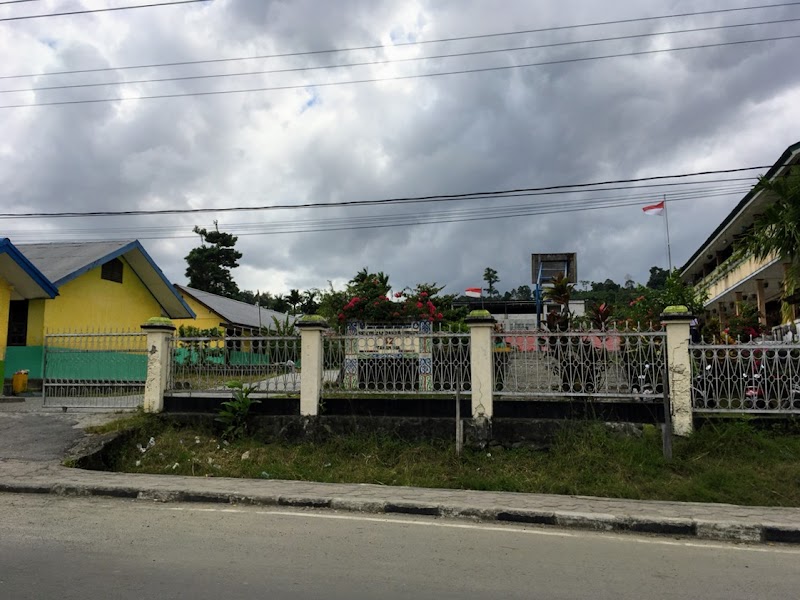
x,y
112,270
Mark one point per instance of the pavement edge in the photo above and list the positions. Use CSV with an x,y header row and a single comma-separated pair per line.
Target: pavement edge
x,y
705,529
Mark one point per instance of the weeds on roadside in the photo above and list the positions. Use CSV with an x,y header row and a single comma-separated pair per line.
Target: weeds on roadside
x,y
234,414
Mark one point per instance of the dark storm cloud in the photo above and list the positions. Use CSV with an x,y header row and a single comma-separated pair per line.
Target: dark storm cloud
x,y
621,118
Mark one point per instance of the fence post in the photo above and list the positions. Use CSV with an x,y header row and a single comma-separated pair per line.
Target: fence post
x,y
677,320
311,349
481,326
159,330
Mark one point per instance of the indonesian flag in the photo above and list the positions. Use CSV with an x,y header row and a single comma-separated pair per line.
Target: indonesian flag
x,y
654,209
473,292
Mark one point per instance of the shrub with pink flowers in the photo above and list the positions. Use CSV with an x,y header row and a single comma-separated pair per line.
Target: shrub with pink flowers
x,y
368,300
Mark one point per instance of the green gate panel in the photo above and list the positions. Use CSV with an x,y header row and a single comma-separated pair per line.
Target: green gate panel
x,y
24,357
95,366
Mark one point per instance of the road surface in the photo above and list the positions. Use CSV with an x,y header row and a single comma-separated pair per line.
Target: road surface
x,y
81,548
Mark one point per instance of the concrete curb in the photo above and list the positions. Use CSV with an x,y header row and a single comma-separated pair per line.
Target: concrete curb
x,y
705,529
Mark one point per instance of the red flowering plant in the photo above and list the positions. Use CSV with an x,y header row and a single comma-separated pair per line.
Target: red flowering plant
x,y
368,301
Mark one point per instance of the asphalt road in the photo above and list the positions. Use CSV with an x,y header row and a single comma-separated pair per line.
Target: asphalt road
x,y
70,548
37,437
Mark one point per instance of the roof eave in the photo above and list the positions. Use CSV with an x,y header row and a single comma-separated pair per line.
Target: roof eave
x,y
49,288
787,156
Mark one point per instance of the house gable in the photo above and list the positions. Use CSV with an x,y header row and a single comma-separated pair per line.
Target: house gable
x,y
205,318
90,302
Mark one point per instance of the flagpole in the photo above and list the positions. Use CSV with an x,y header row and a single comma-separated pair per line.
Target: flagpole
x,y
666,223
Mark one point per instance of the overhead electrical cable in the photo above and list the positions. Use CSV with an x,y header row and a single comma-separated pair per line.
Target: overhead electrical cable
x,y
396,200
100,10
399,77
390,60
410,43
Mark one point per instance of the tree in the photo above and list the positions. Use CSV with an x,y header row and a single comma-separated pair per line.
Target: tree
x,y
560,292
309,304
209,266
294,298
658,278
277,303
523,292
775,232
248,296
490,277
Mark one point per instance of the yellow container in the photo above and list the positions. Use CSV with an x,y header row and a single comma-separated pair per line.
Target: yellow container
x,y
19,383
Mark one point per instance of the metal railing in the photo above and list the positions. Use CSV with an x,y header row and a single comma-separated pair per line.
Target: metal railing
x,y
396,362
756,377
94,370
604,364
204,365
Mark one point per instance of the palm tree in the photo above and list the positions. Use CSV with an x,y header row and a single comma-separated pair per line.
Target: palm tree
x,y
309,305
294,298
490,277
776,232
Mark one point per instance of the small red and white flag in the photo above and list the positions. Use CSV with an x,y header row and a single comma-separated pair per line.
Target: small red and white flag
x,y
473,292
654,209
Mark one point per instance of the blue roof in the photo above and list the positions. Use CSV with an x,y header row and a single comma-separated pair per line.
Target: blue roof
x,y
28,269
64,261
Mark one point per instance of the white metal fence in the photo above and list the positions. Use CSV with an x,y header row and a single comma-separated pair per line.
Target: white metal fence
x,y
605,364
94,370
396,361
756,377
204,365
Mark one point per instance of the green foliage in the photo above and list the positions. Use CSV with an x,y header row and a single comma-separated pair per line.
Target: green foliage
x,y
560,292
247,296
745,325
658,278
605,292
732,462
648,304
209,266
775,231
368,301
330,303
309,304
280,328
523,292
234,413
294,299
491,277
192,331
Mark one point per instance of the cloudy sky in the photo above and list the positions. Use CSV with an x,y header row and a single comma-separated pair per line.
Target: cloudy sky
x,y
628,117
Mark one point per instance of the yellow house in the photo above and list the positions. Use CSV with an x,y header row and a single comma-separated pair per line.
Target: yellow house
x,y
729,281
76,286
230,317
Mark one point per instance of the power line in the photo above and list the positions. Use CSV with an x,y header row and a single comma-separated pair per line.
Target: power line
x,y
17,1
98,10
401,77
415,219
398,218
402,44
398,60
400,200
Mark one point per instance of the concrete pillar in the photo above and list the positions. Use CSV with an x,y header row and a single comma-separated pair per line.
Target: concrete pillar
x,y
738,303
481,326
677,320
761,302
159,331
5,306
311,372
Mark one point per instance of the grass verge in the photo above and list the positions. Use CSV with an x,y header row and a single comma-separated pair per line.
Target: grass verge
x,y
731,462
